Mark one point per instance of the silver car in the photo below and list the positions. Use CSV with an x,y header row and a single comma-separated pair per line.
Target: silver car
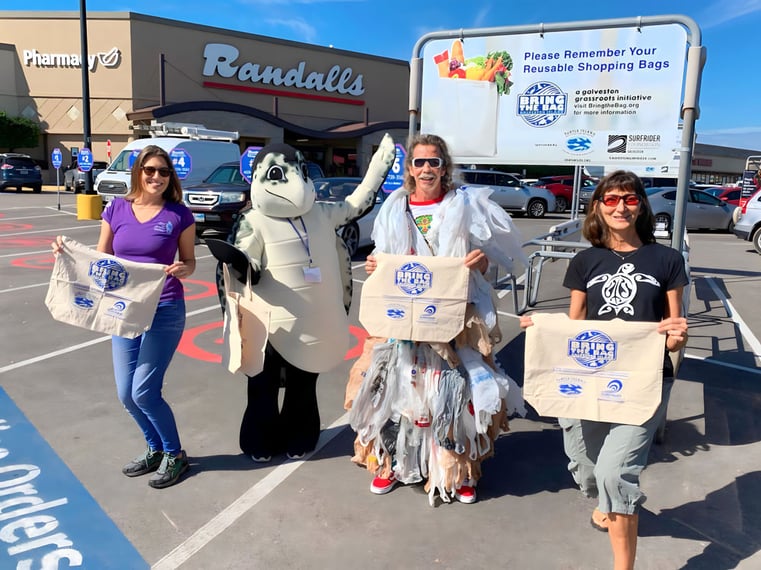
x,y
703,210
510,193
748,225
74,179
355,234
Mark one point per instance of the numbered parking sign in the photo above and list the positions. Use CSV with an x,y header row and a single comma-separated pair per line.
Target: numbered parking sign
x,y
84,159
182,162
395,176
57,158
247,160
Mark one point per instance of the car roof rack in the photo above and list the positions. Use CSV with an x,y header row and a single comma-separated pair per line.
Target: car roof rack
x,y
185,130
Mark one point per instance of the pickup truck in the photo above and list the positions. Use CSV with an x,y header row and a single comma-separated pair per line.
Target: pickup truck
x,y
74,179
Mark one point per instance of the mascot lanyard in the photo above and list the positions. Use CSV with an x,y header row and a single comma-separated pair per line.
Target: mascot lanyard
x,y
311,274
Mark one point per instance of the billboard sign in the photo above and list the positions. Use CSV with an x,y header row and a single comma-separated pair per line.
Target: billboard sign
x,y
604,96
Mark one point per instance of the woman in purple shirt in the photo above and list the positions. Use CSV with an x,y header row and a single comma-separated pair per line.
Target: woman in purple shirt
x,y
151,224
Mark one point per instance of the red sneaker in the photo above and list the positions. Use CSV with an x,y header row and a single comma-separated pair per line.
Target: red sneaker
x,y
381,486
465,494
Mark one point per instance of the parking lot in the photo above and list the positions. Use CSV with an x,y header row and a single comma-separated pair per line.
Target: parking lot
x,y
64,438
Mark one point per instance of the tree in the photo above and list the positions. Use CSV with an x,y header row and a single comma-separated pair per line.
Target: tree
x,y
18,132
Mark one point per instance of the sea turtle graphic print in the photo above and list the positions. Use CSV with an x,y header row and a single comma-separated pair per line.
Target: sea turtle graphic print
x,y
620,288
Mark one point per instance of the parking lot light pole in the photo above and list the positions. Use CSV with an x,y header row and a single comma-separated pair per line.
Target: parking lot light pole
x,y
85,90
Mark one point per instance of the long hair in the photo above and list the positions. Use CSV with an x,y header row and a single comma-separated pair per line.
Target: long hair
x,y
173,192
596,230
429,140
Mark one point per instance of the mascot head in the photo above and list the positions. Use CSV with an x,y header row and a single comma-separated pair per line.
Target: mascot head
x,y
280,187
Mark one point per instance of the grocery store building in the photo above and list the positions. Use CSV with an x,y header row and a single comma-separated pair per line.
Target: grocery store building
x,y
334,105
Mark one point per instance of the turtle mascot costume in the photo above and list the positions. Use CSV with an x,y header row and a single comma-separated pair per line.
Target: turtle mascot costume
x,y
301,270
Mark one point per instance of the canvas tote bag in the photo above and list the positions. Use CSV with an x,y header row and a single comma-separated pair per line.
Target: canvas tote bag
x,y
608,371
245,330
102,292
411,297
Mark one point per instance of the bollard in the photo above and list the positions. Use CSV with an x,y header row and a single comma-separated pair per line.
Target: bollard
x,y
89,207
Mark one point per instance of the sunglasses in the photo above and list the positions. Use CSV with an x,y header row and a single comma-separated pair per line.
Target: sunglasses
x,y
151,170
612,200
434,161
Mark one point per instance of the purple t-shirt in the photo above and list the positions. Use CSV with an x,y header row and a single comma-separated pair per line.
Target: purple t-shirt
x,y
154,241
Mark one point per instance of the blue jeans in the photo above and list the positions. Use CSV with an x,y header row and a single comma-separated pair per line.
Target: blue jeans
x,y
139,367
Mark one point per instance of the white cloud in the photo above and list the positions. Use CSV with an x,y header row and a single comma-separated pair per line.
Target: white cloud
x,y
748,138
304,31
481,17
723,11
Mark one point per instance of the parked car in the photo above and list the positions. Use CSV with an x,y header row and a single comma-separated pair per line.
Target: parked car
x,y
703,211
748,224
728,194
355,234
74,179
19,170
562,188
510,193
217,200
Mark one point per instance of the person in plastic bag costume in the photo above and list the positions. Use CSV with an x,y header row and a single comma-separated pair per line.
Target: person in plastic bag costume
x,y
431,411
289,244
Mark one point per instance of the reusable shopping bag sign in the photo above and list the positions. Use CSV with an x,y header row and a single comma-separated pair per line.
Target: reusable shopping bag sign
x,y
102,292
245,329
608,371
418,298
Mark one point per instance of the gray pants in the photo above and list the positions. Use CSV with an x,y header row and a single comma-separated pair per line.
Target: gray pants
x,y
606,459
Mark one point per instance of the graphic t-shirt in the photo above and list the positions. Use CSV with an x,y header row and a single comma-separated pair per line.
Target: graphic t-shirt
x,y
423,212
633,288
153,241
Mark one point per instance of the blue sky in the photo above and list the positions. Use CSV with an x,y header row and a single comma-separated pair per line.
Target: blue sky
x,y
390,28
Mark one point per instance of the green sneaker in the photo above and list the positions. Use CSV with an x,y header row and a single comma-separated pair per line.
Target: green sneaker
x,y
142,464
172,466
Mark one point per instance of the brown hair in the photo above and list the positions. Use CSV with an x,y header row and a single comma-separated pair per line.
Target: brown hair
x,y
596,230
173,192
430,140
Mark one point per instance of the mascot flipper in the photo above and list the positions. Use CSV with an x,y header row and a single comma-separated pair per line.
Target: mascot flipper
x,y
290,242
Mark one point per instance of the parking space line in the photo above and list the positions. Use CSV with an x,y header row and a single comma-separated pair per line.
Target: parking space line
x,y
29,218
745,331
50,230
725,364
208,532
49,355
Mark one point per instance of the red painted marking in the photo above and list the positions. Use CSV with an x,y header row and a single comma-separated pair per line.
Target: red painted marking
x,y
210,289
18,241
41,261
361,335
190,348
14,227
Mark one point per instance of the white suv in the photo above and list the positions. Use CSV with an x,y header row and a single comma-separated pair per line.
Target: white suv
x,y
748,224
510,193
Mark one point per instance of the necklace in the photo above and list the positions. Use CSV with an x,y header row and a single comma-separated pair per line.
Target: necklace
x,y
623,256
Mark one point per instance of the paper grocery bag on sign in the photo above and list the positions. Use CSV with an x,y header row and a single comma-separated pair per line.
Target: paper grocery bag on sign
x,y
102,292
418,298
245,328
608,371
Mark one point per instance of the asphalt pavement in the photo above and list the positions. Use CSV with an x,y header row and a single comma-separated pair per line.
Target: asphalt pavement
x,y
64,438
